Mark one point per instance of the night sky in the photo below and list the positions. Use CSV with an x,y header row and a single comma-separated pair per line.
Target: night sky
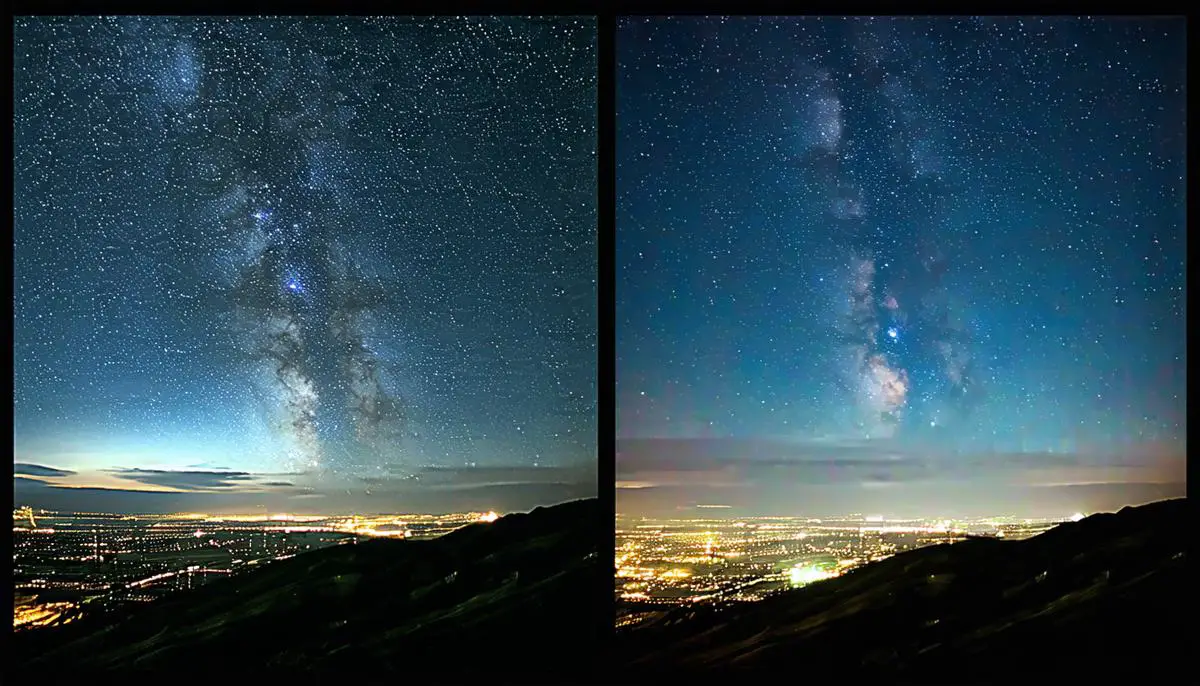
x,y
289,261
900,264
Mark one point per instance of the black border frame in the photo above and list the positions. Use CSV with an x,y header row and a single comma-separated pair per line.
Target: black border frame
x,y
606,14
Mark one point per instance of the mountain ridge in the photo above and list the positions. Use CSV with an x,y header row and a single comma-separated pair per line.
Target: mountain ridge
x,y
489,591
1107,586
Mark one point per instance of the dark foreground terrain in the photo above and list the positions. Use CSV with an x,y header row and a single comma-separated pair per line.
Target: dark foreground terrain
x,y
518,596
1104,598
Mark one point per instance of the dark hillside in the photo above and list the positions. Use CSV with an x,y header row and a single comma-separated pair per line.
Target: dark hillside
x,y
516,596
1104,597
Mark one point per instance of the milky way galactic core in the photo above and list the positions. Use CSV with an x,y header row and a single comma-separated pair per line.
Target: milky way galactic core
x,y
338,246
893,238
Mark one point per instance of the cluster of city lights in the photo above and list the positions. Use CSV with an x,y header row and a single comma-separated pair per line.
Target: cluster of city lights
x,y
689,561
143,558
805,574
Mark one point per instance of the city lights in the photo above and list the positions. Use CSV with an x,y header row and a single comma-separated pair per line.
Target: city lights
x,y
802,575
670,562
67,563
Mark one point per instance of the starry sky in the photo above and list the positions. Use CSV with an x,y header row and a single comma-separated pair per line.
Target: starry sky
x,y
330,263
900,264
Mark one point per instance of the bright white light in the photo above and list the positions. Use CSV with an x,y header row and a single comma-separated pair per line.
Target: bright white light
x,y
489,517
893,332
1076,517
803,575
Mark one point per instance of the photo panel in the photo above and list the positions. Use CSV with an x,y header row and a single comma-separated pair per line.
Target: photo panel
x,y
899,316
305,345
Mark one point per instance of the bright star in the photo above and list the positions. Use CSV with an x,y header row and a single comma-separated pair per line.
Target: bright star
x,y
893,332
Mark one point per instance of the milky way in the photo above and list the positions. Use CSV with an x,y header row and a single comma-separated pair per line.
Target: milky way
x,y
346,247
961,234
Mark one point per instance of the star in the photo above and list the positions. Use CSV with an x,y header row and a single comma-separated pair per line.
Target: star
x,y
862,241
200,336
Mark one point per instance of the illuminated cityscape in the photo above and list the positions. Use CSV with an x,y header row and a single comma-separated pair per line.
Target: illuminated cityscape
x,y
65,564
662,563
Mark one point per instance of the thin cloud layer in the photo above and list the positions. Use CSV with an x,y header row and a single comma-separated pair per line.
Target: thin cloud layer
x,y
515,488
186,481
644,463
39,470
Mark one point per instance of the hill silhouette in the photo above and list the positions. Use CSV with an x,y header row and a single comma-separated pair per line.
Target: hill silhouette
x,y
517,596
1102,597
